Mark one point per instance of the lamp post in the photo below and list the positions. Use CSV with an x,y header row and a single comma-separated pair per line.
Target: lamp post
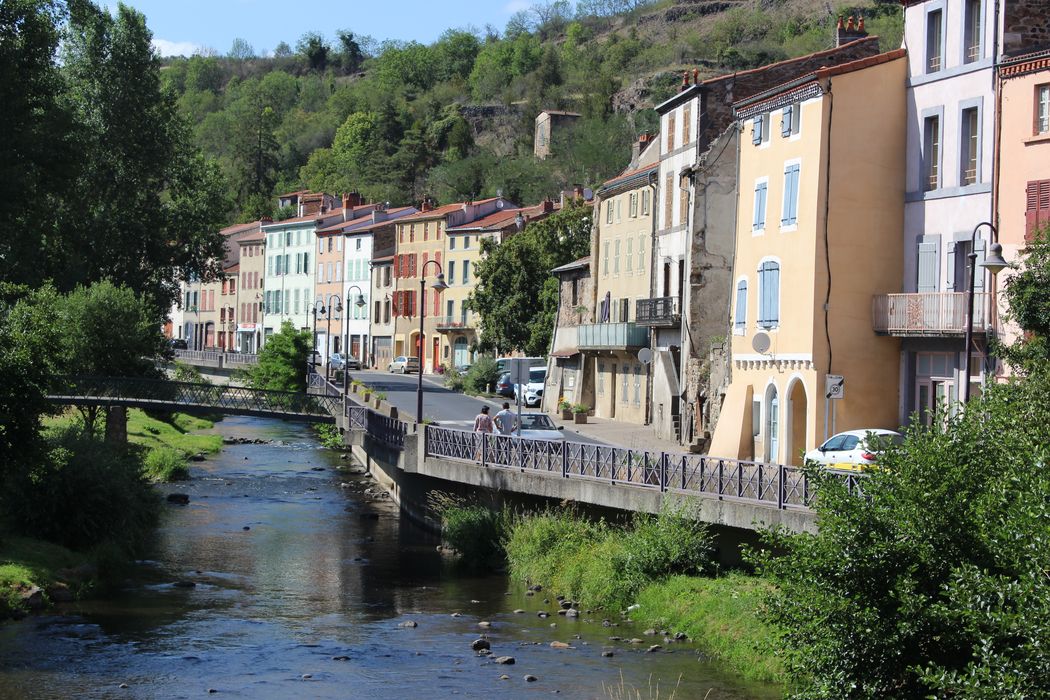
x,y
438,285
328,334
313,349
994,263
359,302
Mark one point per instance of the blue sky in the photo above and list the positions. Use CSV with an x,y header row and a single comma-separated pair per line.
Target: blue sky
x,y
184,26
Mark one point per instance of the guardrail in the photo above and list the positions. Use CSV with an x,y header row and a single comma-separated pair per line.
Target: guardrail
x,y
199,355
773,485
217,357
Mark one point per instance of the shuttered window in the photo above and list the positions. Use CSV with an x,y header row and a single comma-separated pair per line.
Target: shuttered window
x,y
1037,209
757,129
785,121
950,277
790,210
927,266
740,317
760,206
769,295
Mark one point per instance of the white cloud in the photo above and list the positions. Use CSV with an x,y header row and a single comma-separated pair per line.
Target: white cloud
x,y
176,48
516,6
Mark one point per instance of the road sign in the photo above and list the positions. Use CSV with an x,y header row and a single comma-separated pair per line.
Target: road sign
x,y
834,386
519,370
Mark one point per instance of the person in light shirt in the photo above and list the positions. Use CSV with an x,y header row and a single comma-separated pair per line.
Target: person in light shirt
x,y
505,421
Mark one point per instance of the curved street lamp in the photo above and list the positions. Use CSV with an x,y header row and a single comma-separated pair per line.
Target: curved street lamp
x,y
439,285
359,302
338,308
313,345
994,263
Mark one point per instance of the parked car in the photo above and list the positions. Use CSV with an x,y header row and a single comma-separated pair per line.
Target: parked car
x,y
504,387
539,426
351,362
501,362
854,449
404,365
336,361
178,344
532,393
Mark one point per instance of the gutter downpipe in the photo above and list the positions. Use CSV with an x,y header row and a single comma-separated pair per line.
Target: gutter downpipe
x,y
997,88
652,182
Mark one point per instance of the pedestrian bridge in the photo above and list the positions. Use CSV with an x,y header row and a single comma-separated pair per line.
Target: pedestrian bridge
x,y
186,397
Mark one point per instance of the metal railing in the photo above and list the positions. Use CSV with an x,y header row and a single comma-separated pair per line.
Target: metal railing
x,y
185,396
453,323
773,485
661,311
611,336
199,355
240,358
927,313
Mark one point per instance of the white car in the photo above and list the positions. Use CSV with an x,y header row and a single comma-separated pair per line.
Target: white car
x,y
539,426
404,365
854,449
532,393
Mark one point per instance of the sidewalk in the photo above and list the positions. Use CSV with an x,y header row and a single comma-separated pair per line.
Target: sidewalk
x,y
620,434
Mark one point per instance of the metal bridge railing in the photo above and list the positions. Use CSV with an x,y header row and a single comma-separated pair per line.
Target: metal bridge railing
x,y
774,485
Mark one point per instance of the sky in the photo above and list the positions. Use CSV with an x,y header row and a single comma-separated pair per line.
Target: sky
x,y
184,27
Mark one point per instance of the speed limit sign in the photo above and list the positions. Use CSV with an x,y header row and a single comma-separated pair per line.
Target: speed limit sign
x,y
833,386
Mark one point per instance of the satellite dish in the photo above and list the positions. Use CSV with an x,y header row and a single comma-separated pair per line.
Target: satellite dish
x,y
645,356
760,343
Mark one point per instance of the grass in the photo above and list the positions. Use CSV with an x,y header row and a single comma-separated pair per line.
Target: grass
x,y
176,433
26,562
722,616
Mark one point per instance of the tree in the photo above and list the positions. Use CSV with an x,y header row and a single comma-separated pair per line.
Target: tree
x,y
283,361
350,55
513,294
313,47
1028,294
282,50
241,50
933,582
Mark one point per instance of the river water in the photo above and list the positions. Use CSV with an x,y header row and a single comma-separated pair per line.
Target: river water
x,y
301,585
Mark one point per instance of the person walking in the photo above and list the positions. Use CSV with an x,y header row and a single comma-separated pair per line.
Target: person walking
x,y
483,421
505,420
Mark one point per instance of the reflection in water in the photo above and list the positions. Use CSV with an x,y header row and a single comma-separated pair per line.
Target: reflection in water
x,y
298,594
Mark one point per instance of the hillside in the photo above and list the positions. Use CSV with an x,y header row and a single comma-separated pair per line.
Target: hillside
x,y
454,119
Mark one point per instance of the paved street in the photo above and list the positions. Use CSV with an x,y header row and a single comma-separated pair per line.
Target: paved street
x,y
448,408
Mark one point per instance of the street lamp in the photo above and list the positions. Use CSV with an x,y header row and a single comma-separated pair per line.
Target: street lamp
x,y
438,285
994,263
346,328
310,362
328,334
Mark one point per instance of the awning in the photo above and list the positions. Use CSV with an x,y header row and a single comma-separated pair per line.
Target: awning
x,y
565,352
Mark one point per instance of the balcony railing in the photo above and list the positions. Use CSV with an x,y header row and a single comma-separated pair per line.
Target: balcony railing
x,y
612,336
927,314
661,311
454,323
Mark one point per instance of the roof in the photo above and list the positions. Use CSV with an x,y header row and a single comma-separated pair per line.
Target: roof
x,y
441,211
240,228
821,74
560,113
292,194
574,265
230,269
383,259
306,219
502,218
1025,63
365,224
629,175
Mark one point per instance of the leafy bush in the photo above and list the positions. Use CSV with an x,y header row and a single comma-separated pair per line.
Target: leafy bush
x,y
165,464
481,375
475,532
83,493
184,372
329,436
454,379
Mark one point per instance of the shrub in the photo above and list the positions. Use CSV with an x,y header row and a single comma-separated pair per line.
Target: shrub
x,y
475,532
184,372
329,436
454,379
84,492
165,464
481,375
580,408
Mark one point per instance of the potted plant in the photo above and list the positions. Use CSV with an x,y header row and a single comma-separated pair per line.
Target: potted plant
x,y
579,412
355,386
380,397
366,394
566,409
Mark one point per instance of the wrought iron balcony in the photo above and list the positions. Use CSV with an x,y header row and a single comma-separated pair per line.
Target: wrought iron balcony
x,y
928,314
612,336
661,311
454,323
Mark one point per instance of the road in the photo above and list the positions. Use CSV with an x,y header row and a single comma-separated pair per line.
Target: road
x,y
448,408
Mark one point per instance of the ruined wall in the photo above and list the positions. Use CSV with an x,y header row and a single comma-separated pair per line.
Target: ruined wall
x,y
1026,26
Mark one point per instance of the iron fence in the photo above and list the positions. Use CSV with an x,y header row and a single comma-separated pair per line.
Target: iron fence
x,y
775,485
199,355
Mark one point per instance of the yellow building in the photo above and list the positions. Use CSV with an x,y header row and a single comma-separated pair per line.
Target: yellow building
x,y
819,232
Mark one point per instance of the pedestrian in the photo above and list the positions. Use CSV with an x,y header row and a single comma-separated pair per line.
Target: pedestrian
x,y
505,421
483,421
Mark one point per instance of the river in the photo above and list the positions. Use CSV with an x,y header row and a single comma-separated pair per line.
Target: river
x,y
301,584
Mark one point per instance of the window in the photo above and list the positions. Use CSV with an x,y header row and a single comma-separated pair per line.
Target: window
x,y
339,243
789,214
328,277
338,273
451,271
928,265
287,238
331,244
637,385
616,257
670,130
934,35
426,230
575,292
632,205
605,260
769,295
668,199
357,241
608,212
411,233
760,129
931,138
969,146
466,272
687,117
641,253
400,234
1042,109
1037,211
759,222
466,242
683,201
791,120
624,395
740,315
452,243
320,272
972,32
630,254
645,202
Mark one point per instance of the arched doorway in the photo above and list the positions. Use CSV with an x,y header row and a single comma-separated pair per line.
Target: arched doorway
x,y
796,422
772,426
460,352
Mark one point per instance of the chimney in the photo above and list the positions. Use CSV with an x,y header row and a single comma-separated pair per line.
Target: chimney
x,y
266,220
685,81
425,205
850,32
519,221
696,76
577,192
548,206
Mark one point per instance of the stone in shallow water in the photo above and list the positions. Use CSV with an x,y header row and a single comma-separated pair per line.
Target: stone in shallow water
x,y
479,644
529,678
505,660
409,624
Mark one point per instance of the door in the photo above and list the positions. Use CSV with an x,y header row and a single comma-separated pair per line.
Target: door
x,y
459,356
933,395
436,356
773,428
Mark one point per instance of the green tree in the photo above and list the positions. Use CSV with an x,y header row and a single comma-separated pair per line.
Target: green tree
x,y
933,583
350,54
1028,294
313,47
283,361
513,294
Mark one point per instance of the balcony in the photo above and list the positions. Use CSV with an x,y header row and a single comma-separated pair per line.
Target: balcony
x,y
661,311
927,314
612,336
454,323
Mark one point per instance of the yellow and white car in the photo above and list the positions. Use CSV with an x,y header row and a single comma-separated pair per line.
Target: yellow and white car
x,y
854,450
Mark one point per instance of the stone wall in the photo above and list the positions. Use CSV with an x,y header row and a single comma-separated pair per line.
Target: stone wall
x,y
1026,26
567,313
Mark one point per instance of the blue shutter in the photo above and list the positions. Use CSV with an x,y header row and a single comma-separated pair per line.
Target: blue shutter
x,y
790,208
978,271
927,266
950,277
756,131
774,294
741,305
763,297
785,121
760,207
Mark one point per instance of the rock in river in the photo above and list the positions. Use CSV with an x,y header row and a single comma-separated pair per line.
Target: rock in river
x,y
505,660
409,624
529,678
180,499
479,644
